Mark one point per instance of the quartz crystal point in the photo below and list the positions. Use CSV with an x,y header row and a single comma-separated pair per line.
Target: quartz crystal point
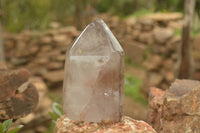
x,y
94,79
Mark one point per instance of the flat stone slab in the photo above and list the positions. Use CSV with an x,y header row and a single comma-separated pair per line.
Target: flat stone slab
x,y
128,125
165,16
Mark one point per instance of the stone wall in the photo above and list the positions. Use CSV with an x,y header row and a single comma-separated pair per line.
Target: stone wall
x,y
43,53
148,40
153,42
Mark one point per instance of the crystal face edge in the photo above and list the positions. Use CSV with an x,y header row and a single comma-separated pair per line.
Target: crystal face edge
x,y
100,23
69,66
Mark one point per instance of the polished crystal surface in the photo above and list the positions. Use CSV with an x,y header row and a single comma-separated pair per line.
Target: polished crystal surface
x,y
94,79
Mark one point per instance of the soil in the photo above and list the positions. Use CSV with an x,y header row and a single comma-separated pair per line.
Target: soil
x,y
134,109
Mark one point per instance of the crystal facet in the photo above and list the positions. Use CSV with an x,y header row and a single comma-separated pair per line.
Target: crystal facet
x,y
94,79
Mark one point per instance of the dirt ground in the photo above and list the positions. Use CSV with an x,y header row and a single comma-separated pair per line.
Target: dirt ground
x,y
134,109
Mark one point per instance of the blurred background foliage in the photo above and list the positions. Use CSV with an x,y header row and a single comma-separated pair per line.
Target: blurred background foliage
x,y
16,15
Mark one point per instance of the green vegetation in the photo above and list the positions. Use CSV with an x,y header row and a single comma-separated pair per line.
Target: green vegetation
x,y
178,32
169,5
122,7
141,12
197,9
131,63
132,87
37,14
25,14
194,32
4,127
57,112
55,98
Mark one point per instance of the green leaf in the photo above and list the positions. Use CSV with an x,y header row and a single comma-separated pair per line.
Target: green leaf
x,y
7,124
2,128
57,108
53,116
16,129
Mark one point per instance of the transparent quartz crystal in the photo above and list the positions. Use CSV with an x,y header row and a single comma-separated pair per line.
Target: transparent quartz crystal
x,y
94,79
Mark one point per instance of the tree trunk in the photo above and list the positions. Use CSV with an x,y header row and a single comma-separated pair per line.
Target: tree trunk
x,y
186,64
2,59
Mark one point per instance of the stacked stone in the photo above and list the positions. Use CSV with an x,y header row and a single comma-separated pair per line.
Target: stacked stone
x,y
151,41
162,59
41,53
